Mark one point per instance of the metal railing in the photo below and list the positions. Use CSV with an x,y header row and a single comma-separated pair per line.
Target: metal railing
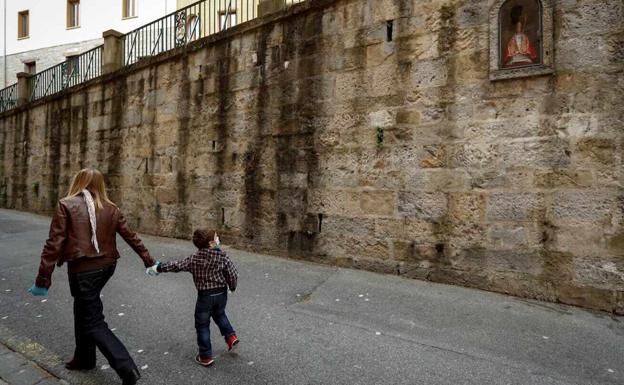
x,y
198,20
8,97
75,70
187,24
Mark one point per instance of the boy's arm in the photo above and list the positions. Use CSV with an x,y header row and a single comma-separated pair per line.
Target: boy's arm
x,y
176,266
230,273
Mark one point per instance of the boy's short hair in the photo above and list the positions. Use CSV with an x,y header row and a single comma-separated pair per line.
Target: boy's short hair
x,y
202,238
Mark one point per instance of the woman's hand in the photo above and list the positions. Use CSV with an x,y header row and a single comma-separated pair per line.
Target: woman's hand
x,y
38,291
153,271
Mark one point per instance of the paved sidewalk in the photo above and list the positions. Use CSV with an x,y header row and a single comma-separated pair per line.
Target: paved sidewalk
x,y
304,324
15,369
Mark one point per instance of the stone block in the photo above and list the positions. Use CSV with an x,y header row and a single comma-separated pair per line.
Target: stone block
x,y
583,206
423,205
380,203
521,261
508,237
593,18
536,153
601,151
587,296
26,375
165,195
475,155
426,74
564,178
379,53
515,207
408,117
381,119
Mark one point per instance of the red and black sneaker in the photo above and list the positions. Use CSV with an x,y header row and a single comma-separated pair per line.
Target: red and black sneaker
x,y
231,341
204,361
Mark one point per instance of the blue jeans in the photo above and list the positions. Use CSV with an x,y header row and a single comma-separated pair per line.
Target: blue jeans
x,y
210,304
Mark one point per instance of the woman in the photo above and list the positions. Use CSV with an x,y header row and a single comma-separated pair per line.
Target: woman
x,y
83,233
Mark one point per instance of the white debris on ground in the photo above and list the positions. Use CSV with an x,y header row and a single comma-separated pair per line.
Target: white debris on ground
x,y
144,367
113,329
337,299
165,353
121,314
44,300
377,333
8,290
39,316
5,317
250,363
104,367
545,337
360,295
610,370
140,351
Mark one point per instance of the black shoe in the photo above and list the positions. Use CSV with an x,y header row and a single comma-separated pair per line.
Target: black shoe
x,y
131,377
75,364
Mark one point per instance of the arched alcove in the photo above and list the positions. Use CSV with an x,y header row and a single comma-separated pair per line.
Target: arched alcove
x,y
520,38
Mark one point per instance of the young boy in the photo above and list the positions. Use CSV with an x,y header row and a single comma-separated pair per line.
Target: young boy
x,y
213,272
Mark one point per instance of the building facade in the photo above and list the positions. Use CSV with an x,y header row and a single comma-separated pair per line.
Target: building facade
x,y
38,34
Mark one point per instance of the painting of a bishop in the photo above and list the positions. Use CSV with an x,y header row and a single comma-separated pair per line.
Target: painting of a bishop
x,y
519,51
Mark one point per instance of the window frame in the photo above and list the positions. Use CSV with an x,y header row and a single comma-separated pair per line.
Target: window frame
x,y
232,13
125,4
73,9
30,64
23,19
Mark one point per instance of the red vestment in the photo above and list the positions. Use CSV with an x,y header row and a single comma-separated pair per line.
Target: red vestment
x,y
525,48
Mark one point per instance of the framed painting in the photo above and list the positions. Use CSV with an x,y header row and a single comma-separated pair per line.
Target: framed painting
x,y
521,38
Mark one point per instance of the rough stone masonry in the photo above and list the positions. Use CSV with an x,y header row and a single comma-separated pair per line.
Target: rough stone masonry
x,y
314,134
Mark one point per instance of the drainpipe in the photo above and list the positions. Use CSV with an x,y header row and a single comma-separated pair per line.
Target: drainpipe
x,y
5,58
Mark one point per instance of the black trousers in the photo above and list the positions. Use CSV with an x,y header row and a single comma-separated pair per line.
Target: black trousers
x,y
90,329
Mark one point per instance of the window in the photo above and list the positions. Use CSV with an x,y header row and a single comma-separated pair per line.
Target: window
x,y
193,28
227,19
30,67
22,25
129,8
73,13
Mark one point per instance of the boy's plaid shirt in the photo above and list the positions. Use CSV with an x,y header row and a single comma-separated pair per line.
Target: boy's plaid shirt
x,y
211,269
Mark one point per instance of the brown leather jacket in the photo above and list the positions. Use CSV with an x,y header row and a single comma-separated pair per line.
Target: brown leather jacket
x,y
70,237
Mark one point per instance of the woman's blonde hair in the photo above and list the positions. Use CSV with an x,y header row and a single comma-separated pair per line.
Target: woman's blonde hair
x,y
92,180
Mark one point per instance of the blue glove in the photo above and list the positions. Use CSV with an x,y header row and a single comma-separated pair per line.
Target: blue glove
x,y
153,271
38,291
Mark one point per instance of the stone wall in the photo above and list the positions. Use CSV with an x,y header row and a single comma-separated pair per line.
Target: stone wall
x,y
309,134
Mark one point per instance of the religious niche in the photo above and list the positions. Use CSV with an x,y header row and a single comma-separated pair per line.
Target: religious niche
x,y
521,38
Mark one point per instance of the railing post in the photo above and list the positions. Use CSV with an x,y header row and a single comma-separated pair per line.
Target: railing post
x,y
270,6
23,89
112,57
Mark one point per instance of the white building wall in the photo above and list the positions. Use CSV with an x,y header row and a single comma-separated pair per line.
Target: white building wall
x,y
50,40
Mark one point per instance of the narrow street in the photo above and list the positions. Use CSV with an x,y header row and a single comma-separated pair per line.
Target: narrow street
x,y
301,323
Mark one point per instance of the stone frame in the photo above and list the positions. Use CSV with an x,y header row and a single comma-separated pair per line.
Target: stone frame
x,y
547,48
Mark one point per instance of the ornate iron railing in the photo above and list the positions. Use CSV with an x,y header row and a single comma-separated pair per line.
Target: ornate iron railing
x,y
187,24
200,19
75,70
8,97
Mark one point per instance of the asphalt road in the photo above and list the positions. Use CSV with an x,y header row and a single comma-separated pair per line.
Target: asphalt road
x,y
301,323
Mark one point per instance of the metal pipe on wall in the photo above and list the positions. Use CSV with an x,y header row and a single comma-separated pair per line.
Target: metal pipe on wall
x,y
4,58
